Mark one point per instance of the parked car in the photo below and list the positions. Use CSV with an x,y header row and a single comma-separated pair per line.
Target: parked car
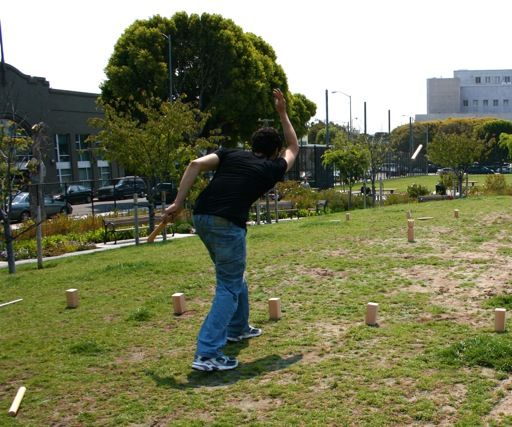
x,y
123,188
170,192
479,169
445,171
75,194
502,169
20,209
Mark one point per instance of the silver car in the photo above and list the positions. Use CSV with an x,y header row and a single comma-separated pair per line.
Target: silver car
x,y
20,209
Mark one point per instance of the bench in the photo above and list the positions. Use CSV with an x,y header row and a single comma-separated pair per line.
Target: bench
x,y
118,224
281,207
321,206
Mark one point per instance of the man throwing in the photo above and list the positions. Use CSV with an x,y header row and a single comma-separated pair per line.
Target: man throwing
x,y
220,216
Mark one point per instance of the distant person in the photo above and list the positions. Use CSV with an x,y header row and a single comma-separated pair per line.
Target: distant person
x,y
305,183
220,216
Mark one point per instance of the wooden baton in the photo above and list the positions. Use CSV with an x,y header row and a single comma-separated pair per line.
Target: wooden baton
x,y
156,231
13,410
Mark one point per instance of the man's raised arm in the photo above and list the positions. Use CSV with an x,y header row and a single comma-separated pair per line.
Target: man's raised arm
x,y
292,149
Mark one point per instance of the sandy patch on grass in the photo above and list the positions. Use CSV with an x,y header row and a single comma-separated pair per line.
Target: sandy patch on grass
x,y
504,406
321,273
461,289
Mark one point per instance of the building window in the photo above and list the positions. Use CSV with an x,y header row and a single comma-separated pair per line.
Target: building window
x,y
497,80
486,102
104,175
64,175
487,79
62,148
505,102
84,155
465,103
84,175
478,80
495,103
506,79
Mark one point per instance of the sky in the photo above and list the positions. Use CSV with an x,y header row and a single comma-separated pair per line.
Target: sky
x,y
374,51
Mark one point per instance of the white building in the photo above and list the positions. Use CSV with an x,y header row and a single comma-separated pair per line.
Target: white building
x,y
470,93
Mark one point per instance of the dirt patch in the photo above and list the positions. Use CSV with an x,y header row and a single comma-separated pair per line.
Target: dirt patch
x,y
136,356
248,405
318,272
504,407
461,289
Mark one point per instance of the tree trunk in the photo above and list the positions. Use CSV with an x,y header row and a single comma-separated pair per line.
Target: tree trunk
x,y
8,239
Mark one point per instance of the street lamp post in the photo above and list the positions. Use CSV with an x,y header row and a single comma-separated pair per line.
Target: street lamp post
x,y
327,136
350,108
168,37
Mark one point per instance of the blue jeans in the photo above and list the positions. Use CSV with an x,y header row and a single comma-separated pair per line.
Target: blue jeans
x,y
229,313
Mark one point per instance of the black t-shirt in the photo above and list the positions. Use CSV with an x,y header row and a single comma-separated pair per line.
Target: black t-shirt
x,y
241,178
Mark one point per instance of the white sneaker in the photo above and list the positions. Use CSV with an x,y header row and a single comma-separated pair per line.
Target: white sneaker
x,y
251,333
220,363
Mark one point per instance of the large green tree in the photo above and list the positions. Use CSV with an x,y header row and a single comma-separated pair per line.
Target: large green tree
x,y
229,73
456,151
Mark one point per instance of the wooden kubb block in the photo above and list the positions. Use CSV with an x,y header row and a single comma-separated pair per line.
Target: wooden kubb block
x,y
72,298
410,230
347,216
274,308
456,213
372,309
499,319
178,303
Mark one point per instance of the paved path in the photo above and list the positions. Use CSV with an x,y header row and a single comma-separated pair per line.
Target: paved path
x,y
99,247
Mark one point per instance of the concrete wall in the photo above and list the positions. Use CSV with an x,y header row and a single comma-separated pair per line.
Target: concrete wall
x,y
443,96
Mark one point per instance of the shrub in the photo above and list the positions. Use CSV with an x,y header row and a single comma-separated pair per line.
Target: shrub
x,y
447,180
336,200
416,190
495,184
396,199
183,228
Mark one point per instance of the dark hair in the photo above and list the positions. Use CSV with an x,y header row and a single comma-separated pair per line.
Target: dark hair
x,y
265,141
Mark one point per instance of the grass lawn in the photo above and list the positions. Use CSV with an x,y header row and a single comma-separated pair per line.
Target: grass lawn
x,y
123,358
430,181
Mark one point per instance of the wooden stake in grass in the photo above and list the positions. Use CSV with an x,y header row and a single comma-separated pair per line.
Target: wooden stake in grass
x,y
372,309
178,303
11,302
347,216
72,298
274,308
409,214
410,230
499,319
456,213
13,410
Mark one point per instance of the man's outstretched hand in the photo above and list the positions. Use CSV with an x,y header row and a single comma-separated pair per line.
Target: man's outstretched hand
x,y
279,101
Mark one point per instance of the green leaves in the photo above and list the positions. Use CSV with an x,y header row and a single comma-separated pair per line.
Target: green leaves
x,y
229,73
158,147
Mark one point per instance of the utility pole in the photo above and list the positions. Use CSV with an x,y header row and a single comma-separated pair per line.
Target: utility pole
x,y
327,135
365,117
169,64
